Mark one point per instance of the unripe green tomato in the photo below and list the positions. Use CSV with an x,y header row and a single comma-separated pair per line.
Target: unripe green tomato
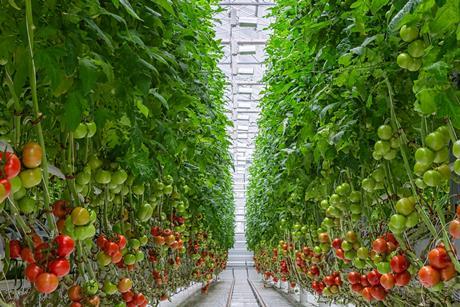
x,y
382,147
350,254
404,60
84,232
378,174
80,132
456,149
420,169
390,155
441,156
444,170
415,64
103,176
109,288
383,267
362,253
432,178
408,33
355,197
27,205
334,199
168,189
138,189
140,256
324,204
385,132
377,156
83,178
20,194
91,128
103,259
124,190
395,143
134,244
416,49
143,240
359,263
355,217
119,177
31,177
16,184
129,259
405,206
435,141
397,221
346,246
457,167
412,220
91,287
94,163
424,156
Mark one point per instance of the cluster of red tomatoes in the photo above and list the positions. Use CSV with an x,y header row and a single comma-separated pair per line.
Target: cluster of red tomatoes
x,y
167,237
46,261
333,283
439,269
111,250
11,166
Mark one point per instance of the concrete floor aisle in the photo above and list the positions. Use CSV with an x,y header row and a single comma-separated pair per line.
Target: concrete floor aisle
x,y
243,296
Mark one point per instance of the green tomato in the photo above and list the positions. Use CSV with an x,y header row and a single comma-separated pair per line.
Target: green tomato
x,y
20,194
385,132
383,267
91,287
129,259
27,205
420,169
138,189
16,184
368,184
334,199
435,141
432,178
382,147
140,256
94,163
405,206
84,232
395,143
457,167
412,220
355,217
378,174
408,33
144,240
424,156
168,190
324,204
327,222
397,221
119,177
377,156
134,244
109,288
344,189
362,253
325,247
441,156
416,49
350,254
346,246
420,183
390,155
359,263
83,178
333,211
414,64
144,212
404,60
31,177
103,259
444,170
355,196
103,176
91,128
80,132
456,149
317,249
355,208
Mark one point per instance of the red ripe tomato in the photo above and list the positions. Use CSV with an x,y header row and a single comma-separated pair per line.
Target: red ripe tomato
x,y
65,245
454,229
76,304
5,189
46,283
59,267
27,255
329,280
101,241
94,301
438,258
402,279
11,165
36,239
139,299
337,243
389,237
387,281
378,292
111,248
41,251
32,271
399,263
116,258
458,211
121,241
373,277
429,276
357,288
32,155
128,296
448,272
15,249
367,294
156,231
60,208
340,253
354,278
364,281
380,246
391,247
338,281
75,294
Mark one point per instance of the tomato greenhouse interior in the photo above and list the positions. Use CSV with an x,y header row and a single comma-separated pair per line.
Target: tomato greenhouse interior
x,y
229,153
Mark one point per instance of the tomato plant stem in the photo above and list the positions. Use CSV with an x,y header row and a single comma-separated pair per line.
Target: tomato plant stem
x,y
41,139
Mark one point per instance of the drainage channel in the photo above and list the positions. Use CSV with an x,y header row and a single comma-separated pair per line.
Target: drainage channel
x,y
242,295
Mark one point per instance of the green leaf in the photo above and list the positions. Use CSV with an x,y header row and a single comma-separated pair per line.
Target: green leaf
x,y
13,4
129,9
142,108
88,75
165,5
446,17
72,111
160,98
99,32
376,5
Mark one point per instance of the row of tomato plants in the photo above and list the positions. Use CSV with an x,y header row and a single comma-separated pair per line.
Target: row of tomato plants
x,y
115,184
353,196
